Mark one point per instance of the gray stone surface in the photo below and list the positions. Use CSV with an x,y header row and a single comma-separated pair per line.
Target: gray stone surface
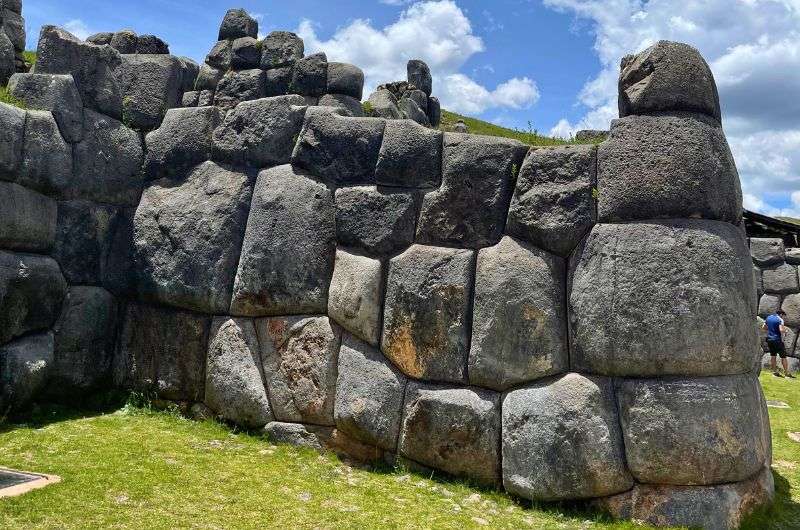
x,y
412,111
187,238
790,304
384,105
208,78
348,106
189,99
83,240
182,142
562,440
426,315
769,304
245,53
642,295
677,166
151,85
281,48
345,79
47,165
84,341
378,222
434,112
56,93
692,431
767,251
236,87
25,364
456,430
31,292
298,435
91,66
125,41
103,37
369,395
310,75
300,363
355,299
12,138
553,205
519,322
219,56
260,133
419,75
108,162
189,72
14,28
410,156
339,150
793,256
162,350
7,55
150,44
277,81
205,98
667,76
781,280
289,247
27,219
237,23
469,209
234,385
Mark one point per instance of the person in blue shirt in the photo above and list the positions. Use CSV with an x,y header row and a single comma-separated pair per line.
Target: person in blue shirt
x,y
776,329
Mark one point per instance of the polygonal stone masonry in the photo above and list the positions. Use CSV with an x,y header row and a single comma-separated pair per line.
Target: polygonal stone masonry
x,y
355,300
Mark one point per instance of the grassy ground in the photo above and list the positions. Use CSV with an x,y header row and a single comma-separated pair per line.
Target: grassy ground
x,y
135,468
476,126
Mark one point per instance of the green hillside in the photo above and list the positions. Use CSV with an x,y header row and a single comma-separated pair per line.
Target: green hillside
x,y
477,126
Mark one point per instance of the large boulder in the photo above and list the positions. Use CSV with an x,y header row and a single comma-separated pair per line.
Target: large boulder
x,y
693,431
208,79
189,72
289,247
84,341
25,366
338,149
383,104
369,395
456,430
56,93
781,280
261,133
769,304
375,221
83,240
671,166
300,362
346,105
162,350
280,49
310,75
12,139
181,142
91,66
553,205
187,238
150,44
234,385
345,79
151,85
412,111
562,440
47,165
519,323
790,304
7,55
355,299
277,81
108,162
244,85
32,290
410,156
245,53
641,296
767,251
434,112
426,315
469,209
419,75
125,41
27,219
237,23
667,76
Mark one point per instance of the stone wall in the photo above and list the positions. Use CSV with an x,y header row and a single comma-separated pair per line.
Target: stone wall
x,y
566,322
12,39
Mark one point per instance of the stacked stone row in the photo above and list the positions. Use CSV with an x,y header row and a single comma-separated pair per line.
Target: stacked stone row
x,y
410,99
128,42
12,39
242,68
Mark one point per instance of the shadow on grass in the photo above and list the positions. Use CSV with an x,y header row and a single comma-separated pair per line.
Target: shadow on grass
x,y
783,513
41,414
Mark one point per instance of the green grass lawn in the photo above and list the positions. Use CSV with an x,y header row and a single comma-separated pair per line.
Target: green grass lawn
x,y
476,126
135,468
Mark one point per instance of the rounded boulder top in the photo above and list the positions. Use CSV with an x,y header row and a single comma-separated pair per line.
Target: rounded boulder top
x,y
236,24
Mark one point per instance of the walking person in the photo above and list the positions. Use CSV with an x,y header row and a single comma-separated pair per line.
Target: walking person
x,y
776,329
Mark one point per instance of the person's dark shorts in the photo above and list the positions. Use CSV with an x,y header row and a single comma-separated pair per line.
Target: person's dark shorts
x,y
776,347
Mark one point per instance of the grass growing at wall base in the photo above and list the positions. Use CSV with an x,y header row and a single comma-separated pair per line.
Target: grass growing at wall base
x,y
131,467
8,99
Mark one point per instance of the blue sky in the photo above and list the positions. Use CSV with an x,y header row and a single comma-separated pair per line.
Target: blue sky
x,y
551,62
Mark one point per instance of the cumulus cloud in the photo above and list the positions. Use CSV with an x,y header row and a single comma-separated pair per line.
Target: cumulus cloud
x,y
78,28
437,32
753,48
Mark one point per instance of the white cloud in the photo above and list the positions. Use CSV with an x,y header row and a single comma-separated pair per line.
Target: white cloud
x,y
78,28
753,47
437,32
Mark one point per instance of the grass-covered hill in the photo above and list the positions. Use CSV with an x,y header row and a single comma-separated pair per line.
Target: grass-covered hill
x,y
476,126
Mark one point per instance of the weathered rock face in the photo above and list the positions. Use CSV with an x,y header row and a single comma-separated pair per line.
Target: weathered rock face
x,y
425,325
519,330
280,49
781,279
48,162
639,178
355,299
237,23
369,395
345,105
790,304
12,138
245,53
692,431
289,247
419,75
562,440
769,304
456,430
376,222
25,365
767,251
163,350
345,79
83,241
640,310
31,292
384,105
300,358
310,75
244,85
553,205
151,85
27,219
56,93
469,209
187,238
410,156
234,386
667,76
